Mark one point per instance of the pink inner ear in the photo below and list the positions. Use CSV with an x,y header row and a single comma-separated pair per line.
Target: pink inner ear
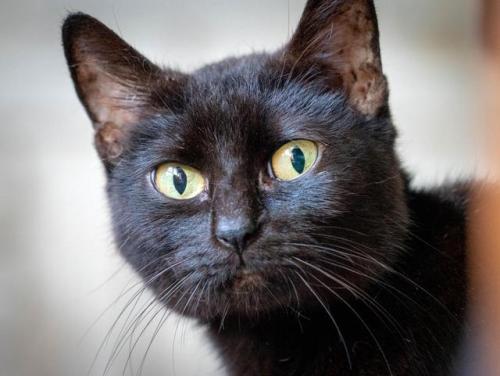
x,y
109,141
361,68
108,100
112,107
116,84
343,37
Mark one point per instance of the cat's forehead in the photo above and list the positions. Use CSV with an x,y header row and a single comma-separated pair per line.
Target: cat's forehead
x,y
237,108
254,89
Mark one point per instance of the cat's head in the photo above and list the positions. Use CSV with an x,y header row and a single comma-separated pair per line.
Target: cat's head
x,y
256,183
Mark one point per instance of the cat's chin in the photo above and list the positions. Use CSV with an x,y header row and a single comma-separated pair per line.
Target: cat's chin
x,y
245,293
246,281
254,294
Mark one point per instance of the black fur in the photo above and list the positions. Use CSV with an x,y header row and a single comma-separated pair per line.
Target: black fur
x,y
349,271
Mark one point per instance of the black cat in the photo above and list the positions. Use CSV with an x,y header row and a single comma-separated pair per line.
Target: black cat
x,y
262,196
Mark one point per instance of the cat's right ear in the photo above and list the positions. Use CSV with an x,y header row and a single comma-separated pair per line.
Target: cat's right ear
x,y
116,84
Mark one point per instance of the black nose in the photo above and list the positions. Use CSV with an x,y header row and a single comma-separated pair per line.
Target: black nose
x,y
235,232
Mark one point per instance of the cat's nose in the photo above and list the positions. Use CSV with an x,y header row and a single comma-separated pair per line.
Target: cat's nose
x,y
235,232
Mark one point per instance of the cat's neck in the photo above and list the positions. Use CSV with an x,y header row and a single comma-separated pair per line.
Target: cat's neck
x,y
285,344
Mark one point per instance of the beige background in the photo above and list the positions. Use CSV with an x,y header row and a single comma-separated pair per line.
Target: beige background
x,y
58,267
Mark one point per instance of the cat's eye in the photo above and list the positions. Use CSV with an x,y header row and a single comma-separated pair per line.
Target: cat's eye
x,y
294,159
178,181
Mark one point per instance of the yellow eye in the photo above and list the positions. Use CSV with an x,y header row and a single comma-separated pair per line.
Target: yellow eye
x,y
294,159
178,181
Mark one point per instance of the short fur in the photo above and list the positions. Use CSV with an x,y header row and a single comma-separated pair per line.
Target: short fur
x,y
347,271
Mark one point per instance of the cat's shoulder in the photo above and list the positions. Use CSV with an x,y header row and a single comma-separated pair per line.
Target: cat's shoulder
x,y
450,199
439,219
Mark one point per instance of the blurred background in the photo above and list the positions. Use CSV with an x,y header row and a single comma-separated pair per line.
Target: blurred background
x,y
62,285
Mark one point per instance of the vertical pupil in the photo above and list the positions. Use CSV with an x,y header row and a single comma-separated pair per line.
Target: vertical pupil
x,y
180,180
298,159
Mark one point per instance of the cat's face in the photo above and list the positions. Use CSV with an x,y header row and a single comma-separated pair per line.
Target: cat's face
x,y
255,184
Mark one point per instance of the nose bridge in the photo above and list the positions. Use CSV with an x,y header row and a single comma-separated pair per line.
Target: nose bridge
x,y
236,210
235,196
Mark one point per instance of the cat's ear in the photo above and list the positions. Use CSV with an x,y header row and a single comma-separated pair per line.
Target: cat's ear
x,y
116,84
341,39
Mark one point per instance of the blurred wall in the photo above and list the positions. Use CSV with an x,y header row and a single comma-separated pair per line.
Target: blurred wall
x,y
58,268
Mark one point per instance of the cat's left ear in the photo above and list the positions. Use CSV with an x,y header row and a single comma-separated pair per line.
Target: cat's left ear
x,y
339,41
116,84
